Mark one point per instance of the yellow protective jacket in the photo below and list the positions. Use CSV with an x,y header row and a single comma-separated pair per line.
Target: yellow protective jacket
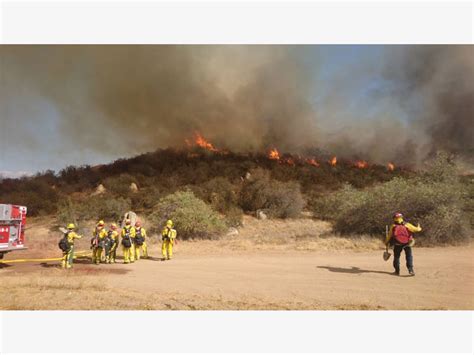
x,y
102,233
143,230
169,233
71,236
410,227
129,229
114,235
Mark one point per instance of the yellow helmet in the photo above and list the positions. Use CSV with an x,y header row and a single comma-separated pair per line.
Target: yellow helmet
x,y
169,223
113,226
398,217
71,226
101,223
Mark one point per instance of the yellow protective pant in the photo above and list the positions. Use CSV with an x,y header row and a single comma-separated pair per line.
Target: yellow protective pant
x,y
126,255
145,250
112,255
132,253
68,258
167,249
141,251
137,249
97,255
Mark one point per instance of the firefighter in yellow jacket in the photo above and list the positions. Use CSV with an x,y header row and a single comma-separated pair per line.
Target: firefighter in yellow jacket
x,y
168,235
400,237
140,241
68,256
97,243
113,234
128,237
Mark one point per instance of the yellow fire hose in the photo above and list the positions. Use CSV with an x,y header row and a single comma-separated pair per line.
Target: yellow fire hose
x,y
79,254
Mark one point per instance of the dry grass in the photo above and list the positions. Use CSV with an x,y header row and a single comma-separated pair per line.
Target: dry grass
x,y
300,234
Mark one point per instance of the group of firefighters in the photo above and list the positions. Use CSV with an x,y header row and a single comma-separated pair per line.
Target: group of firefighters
x,y
104,243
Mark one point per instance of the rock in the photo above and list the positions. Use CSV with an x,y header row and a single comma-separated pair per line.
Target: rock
x,y
132,216
133,187
261,215
248,176
232,231
99,190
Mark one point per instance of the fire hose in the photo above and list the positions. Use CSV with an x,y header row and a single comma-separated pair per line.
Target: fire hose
x,y
79,254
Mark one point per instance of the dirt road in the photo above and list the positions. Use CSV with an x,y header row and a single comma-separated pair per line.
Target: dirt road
x,y
235,280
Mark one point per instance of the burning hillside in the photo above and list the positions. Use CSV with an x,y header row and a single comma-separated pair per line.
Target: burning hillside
x,y
197,164
199,141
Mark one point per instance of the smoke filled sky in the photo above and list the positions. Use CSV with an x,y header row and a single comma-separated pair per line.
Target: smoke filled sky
x,y
73,105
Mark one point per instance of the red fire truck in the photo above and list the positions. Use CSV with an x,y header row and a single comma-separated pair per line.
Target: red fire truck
x,y
12,228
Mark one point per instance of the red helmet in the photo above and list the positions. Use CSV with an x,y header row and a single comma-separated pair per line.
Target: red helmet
x,y
397,215
138,224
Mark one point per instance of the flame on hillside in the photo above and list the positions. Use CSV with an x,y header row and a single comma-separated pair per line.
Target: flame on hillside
x,y
198,140
361,164
312,161
274,154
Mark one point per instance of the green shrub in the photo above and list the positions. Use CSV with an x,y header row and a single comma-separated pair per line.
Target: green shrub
x,y
435,200
278,199
192,217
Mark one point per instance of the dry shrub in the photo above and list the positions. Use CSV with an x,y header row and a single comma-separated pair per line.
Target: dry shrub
x,y
279,199
120,185
103,206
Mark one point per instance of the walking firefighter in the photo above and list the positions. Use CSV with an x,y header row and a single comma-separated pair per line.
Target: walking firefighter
x,y
66,244
400,236
168,236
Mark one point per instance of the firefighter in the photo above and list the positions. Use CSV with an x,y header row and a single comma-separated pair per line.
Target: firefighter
x,y
140,241
113,235
128,237
98,243
168,235
401,237
68,254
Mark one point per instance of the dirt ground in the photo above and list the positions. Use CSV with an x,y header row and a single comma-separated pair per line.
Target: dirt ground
x,y
300,272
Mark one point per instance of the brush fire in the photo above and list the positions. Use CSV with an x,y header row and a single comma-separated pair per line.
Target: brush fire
x,y
274,154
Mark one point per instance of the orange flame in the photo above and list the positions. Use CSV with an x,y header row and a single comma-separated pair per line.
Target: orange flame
x,y
289,161
391,167
312,161
333,161
203,143
361,164
274,154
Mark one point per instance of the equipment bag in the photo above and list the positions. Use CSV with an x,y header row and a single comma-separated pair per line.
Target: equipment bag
x,y
126,242
401,234
64,243
139,240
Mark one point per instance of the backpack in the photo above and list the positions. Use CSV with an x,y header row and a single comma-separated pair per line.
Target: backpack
x,y
139,240
126,242
401,234
64,243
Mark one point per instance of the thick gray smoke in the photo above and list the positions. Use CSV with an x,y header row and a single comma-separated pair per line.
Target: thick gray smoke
x,y
131,99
